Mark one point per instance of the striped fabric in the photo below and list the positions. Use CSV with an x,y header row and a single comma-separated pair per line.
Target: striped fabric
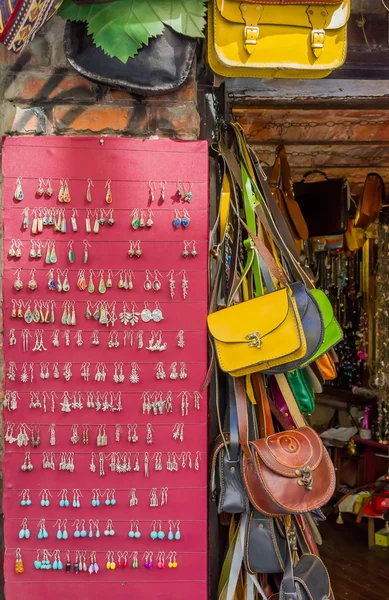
x,y
20,20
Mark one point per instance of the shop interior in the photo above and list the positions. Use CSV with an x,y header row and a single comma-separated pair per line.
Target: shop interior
x,y
335,150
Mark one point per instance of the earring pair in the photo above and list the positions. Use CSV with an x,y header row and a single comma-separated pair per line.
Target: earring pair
x,y
187,251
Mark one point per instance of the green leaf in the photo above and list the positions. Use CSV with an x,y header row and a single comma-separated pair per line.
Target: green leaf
x,y
121,28
185,16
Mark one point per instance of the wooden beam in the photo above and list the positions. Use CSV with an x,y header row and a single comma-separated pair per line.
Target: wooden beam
x,y
327,155
314,126
309,92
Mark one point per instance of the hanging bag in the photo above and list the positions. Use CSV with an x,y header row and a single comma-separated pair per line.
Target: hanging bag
x,y
226,477
284,473
325,204
277,39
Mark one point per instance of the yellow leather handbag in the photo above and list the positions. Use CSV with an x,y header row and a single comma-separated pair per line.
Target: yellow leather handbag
x,y
277,39
258,334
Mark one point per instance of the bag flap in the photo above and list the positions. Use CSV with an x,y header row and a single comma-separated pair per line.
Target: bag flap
x,y
288,452
313,576
260,317
333,15
325,306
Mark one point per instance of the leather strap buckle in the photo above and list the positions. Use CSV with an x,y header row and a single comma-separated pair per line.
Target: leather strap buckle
x,y
251,34
317,38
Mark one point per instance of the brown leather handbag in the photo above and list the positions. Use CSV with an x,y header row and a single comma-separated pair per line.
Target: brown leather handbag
x,y
282,189
284,473
370,201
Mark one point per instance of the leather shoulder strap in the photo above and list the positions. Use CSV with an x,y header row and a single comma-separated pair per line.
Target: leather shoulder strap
x,y
234,428
265,419
241,405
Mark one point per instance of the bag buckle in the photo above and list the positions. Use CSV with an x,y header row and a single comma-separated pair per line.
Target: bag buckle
x,y
251,34
255,339
306,477
317,39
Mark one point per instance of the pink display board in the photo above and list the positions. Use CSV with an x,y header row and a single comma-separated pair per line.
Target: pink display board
x,y
74,407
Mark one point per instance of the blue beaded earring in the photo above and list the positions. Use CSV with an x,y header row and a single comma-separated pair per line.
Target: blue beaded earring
x,y
64,502
154,534
25,501
42,533
45,497
95,499
185,219
177,220
24,532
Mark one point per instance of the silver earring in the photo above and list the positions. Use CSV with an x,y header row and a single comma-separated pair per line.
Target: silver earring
x,y
160,371
134,377
173,371
149,434
180,339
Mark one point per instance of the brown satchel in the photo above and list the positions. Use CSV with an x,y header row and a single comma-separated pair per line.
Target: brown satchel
x,y
282,188
284,473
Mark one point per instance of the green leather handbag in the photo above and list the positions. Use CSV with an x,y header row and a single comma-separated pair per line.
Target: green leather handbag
x,y
302,390
332,331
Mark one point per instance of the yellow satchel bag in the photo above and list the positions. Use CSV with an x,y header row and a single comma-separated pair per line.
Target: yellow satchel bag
x,y
258,334
277,39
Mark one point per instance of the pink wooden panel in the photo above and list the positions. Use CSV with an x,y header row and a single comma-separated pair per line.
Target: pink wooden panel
x,y
130,165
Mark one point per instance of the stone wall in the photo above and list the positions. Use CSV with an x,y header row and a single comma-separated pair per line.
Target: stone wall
x,y
40,94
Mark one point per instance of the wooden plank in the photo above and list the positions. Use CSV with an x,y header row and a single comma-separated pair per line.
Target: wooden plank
x,y
309,92
314,126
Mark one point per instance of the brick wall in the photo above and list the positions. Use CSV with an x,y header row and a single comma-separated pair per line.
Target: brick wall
x,y
41,94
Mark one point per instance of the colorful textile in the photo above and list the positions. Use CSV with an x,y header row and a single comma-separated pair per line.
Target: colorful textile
x,y
20,20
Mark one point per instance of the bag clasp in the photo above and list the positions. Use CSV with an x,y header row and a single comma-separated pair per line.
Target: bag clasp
x,y
255,339
306,477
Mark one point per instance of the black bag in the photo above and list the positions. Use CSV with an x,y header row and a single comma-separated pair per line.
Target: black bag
x,y
324,204
309,580
265,544
227,485
159,68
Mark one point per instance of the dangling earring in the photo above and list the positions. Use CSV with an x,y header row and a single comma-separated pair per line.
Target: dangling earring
x,y
66,193
138,250
131,251
185,219
163,190
194,251
86,253
40,190
135,223
134,377
142,222
108,195
18,195
157,283
49,189
89,191
71,254
185,252
147,284
152,188
150,222
12,250
18,283
32,284
177,220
